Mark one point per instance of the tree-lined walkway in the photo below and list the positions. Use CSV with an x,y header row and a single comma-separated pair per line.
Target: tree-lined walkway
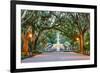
x,y
56,56
51,31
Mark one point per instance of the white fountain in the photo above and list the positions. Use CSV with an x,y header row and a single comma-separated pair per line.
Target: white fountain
x,y
58,45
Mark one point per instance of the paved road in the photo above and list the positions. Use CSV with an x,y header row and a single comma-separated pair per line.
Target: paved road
x,y
56,56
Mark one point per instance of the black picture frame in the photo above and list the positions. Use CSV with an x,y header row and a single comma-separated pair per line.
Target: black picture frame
x,y
13,35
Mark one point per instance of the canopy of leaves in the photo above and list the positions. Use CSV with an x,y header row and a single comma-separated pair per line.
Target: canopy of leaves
x,y
47,23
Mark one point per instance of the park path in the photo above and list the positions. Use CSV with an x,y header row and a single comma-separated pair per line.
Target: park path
x,y
56,56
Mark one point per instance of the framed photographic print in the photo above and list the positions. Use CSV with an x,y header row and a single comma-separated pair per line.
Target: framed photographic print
x,y
52,36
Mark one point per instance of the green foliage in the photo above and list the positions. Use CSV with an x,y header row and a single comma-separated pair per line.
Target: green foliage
x,y
87,41
23,56
51,36
36,52
45,24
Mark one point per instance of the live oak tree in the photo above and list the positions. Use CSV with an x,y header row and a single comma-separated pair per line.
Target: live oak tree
x,y
70,24
82,23
39,21
76,25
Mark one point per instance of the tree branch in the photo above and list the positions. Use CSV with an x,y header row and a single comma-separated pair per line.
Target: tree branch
x,y
85,29
27,19
24,14
76,21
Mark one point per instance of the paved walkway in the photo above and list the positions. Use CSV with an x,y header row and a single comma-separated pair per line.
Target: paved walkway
x,y
56,56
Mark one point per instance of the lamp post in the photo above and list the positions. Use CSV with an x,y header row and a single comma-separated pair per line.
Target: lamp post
x,y
30,35
77,39
30,38
78,42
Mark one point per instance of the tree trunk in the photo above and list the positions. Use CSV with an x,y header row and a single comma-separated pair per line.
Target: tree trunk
x,y
36,40
81,43
25,49
35,43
